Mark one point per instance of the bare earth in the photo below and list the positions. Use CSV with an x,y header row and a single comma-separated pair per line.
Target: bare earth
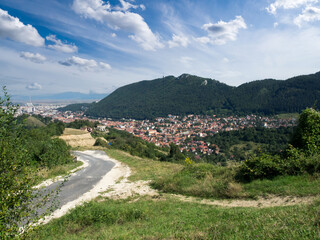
x,y
270,201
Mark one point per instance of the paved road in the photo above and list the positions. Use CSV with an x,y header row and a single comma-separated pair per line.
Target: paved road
x,y
83,180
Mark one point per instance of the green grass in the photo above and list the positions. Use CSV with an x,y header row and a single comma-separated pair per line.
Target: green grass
x,y
34,122
303,185
288,115
143,168
172,219
166,217
209,181
201,180
61,170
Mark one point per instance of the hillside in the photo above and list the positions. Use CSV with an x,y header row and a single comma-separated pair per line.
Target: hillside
x,y
191,94
33,122
160,97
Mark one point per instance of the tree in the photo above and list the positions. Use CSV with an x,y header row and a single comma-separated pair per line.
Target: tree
x,y
307,134
17,205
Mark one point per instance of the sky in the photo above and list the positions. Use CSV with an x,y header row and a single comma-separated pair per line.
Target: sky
x,y
96,46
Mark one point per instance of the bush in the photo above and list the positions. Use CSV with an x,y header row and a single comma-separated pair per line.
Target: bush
x,y
300,157
266,166
307,135
101,142
259,167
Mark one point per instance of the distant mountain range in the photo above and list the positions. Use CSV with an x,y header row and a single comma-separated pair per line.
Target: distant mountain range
x,y
188,94
76,96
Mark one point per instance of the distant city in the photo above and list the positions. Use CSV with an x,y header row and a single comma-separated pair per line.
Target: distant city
x,y
183,131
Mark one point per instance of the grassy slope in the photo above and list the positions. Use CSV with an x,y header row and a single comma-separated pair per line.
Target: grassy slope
x,y
34,122
145,169
171,219
168,218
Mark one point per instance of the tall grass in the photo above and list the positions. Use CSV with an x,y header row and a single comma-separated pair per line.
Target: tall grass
x,y
201,180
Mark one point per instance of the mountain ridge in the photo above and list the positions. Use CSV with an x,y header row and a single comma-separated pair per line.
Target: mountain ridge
x,y
188,94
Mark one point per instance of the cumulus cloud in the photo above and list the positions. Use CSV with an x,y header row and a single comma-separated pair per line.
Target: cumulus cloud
x,y
127,21
222,32
178,41
34,86
87,64
125,6
12,28
60,46
310,14
288,4
33,57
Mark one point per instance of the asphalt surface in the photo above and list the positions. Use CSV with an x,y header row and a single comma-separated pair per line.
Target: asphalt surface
x,y
81,182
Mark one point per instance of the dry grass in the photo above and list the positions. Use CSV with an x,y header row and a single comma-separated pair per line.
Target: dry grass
x,y
77,138
72,131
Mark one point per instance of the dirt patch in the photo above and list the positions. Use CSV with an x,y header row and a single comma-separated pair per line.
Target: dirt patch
x,y
82,140
262,202
124,188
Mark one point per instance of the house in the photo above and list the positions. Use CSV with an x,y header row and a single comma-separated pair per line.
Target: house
x,y
101,128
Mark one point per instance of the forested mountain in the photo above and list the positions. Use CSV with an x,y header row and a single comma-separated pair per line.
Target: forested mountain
x,y
191,94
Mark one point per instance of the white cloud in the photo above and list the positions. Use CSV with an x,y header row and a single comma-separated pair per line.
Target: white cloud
x,y
186,60
117,19
178,41
105,65
60,46
34,86
221,32
87,64
113,35
310,14
127,6
288,4
11,27
143,7
203,40
33,57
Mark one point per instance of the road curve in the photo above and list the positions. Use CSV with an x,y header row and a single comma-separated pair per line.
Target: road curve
x,y
86,184
85,179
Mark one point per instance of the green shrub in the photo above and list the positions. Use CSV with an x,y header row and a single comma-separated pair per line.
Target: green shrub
x,y
261,166
100,142
303,156
266,166
307,135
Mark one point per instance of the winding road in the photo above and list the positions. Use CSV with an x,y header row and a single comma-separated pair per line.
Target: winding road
x,y
80,184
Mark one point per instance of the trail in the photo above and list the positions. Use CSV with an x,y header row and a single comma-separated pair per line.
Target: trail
x,y
261,202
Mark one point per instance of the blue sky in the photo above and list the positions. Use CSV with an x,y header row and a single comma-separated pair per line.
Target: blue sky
x,y
87,46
